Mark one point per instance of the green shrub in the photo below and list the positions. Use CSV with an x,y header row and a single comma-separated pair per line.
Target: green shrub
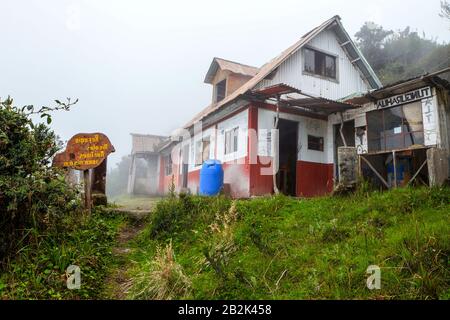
x,y
33,195
39,270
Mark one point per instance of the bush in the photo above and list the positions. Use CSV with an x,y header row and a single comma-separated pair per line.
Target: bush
x,y
174,216
33,195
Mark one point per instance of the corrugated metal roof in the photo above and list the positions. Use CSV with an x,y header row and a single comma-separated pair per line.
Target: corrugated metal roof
x,y
401,86
266,69
146,143
303,101
232,66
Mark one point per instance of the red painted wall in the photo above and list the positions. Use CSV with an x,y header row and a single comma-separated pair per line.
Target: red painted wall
x,y
314,179
165,181
260,184
194,181
245,179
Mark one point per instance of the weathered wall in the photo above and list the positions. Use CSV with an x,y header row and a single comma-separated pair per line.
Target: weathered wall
x,y
348,81
235,81
314,171
348,165
438,166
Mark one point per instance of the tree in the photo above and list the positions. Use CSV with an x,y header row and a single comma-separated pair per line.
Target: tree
x,y
445,10
370,39
33,195
400,55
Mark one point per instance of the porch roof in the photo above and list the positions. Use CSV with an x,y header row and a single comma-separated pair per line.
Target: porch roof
x,y
300,100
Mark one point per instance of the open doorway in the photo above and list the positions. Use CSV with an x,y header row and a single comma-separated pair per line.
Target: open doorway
x,y
287,173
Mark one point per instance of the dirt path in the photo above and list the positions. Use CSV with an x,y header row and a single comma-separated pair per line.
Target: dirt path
x,y
118,283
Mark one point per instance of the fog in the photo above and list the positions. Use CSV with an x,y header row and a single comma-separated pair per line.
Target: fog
x,y
138,66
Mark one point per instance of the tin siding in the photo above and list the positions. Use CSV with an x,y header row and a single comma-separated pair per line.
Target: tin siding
x,y
349,77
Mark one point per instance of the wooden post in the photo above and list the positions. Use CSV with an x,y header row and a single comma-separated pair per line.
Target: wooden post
x,y
275,150
87,190
375,171
99,184
395,168
99,178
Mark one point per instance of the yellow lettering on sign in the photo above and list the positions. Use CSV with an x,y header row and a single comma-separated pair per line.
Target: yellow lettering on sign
x,y
93,139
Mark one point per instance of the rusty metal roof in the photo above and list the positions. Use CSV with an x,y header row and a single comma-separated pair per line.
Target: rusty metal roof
x,y
232,66
146,143
400,87
266,69
302,101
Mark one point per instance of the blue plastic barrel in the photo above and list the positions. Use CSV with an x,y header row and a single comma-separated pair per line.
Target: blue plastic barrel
x,y
211,178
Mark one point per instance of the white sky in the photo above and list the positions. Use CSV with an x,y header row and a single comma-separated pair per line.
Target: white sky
x,y
138,66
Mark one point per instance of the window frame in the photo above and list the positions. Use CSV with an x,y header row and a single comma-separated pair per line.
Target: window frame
x,y
383,135
200,150
325,54
216,90
168,165
233,140
321,144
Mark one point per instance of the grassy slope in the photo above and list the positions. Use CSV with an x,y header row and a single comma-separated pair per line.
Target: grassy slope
x,y
283,248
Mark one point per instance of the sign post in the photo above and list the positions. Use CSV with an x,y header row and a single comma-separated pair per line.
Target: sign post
x,y
87,190
85,151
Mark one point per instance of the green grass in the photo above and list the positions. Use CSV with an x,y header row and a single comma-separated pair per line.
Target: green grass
x,y
287,248
38,270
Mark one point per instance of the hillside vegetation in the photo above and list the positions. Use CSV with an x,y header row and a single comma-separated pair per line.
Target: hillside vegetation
x,y
402,54
285,248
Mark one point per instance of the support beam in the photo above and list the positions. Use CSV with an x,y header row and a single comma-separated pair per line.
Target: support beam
x,y
275,148
417,172
375,171
394,162
341,128
132,175
87,191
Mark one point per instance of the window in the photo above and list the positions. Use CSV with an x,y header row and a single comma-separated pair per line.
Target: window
x,y
168,165
202,151
315,143
220,90
205,147
395,128
231,140
320,63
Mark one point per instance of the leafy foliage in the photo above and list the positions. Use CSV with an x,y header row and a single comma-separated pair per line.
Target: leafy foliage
x,y
33,195
39,270
401,54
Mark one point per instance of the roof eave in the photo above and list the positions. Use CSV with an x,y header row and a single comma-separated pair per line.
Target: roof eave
x,y
362,64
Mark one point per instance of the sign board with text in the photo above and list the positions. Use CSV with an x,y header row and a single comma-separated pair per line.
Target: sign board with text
x,y
404,98
84,151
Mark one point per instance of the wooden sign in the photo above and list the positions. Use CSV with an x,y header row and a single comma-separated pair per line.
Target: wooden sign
x,y
404,98
84,151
